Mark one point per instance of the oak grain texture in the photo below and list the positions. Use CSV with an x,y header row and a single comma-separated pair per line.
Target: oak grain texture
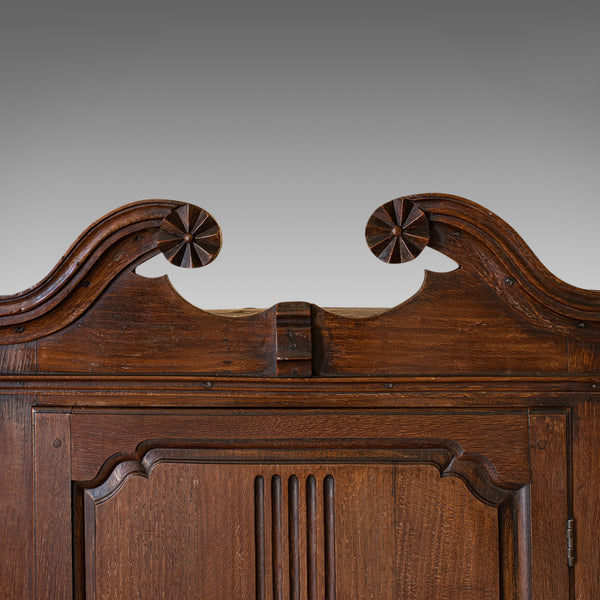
x,y
99,435
455,325
480,241
16,498
430,450
584,357
113,244
364,533
185,532
293,344
586,499
549,504
142,325
52,486
430,562
18,358
473,236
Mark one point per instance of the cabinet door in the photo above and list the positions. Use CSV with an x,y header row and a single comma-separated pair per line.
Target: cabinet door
x,y
303,505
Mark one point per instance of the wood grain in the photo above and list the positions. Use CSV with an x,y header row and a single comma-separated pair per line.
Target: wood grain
x,y
16,498
18,358
294,536
364,534
584,357
293,339
455,325
143,326
586,508
473,236
549,495
430,564
479,240
311,538
119,241
259,536
185,532
52,486
98,435
431,450
374,537
276,538
329,534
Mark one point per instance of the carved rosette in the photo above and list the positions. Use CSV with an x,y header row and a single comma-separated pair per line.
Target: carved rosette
x,y
397,231
189,237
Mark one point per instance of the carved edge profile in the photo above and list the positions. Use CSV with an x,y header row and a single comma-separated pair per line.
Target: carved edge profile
x,y
121,240
474,237
480,241
476,470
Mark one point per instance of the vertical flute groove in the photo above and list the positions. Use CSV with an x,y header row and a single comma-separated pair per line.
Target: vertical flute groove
x,y
329,513
259,536
276,537
311,537
294,537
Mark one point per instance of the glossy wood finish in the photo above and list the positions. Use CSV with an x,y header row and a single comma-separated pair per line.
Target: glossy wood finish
x,y
438,449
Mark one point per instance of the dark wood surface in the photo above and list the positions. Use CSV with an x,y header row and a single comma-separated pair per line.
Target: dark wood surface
x,y
16,498
549,503
586,497
439,449
52,506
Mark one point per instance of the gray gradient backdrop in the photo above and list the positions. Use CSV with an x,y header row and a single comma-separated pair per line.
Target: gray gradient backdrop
x,y
290,122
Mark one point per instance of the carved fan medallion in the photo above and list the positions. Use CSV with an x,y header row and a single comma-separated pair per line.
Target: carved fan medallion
x,y
397,231
189,237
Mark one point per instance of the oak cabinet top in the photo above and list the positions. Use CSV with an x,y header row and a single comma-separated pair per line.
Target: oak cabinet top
x,y
501,314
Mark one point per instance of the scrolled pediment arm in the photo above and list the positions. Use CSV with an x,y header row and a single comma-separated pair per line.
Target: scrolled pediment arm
x,y
480,241
119,241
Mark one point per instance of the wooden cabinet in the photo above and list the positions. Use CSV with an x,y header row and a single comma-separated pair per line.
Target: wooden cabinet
x,y
443,449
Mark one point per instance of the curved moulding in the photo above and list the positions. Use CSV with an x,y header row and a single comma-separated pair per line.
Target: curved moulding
x,y
480,241
475,470
119,242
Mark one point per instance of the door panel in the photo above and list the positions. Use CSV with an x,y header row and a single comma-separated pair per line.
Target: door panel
x,y
369,523
385,505
186,531
439,525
